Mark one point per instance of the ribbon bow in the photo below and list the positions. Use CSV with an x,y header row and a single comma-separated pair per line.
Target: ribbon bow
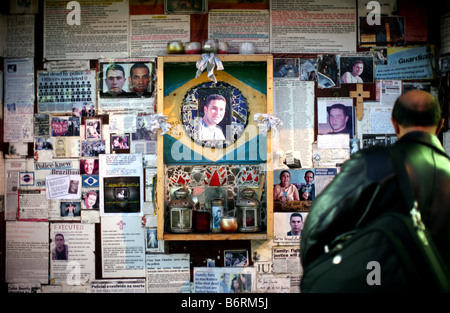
x,y
209,61
268,121
159,121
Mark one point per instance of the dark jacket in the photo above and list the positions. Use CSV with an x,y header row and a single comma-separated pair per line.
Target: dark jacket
x,y
337,209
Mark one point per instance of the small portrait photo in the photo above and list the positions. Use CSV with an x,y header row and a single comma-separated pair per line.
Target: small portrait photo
x,y
120,143
335,116
70,209
236,258
60,250
89,166
74,186
286,67
93,127
288,226
214,114
90,200
357,70
121,193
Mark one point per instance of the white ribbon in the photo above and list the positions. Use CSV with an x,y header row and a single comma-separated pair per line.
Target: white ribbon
x,y
159,121
209,61
267,122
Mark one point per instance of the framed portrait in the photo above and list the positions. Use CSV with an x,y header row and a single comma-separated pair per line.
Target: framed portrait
x,y
120,143
210,121
335,116
233,258
126,79
93,128
185,7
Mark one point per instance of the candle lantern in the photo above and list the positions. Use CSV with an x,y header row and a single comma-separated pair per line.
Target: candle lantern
x,y
248,212
180,209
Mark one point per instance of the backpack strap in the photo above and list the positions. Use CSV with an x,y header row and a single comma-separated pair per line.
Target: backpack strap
x,y
429,250
403,178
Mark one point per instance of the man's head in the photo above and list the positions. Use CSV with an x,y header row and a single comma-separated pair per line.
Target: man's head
x,y
59,240
296,222
417,110
115,78
139,77
358,68
215,107
89,166
338,117
309,177
91,198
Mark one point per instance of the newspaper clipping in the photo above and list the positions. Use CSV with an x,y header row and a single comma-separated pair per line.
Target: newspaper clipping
x,y
27,252
168,273
72,253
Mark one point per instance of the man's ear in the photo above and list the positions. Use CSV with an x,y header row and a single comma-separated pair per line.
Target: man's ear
x,y
395,125
440,126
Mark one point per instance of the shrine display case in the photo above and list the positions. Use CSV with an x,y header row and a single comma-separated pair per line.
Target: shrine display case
x,y
225,160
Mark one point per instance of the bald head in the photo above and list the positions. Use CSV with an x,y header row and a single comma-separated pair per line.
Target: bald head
x,y
417,110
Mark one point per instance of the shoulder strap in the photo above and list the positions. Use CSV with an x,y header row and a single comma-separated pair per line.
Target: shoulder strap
x,y
403,178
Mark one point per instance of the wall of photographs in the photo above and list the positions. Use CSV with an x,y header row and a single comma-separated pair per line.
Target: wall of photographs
x,y
81,125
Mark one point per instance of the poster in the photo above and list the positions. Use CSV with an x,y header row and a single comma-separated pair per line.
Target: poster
x,y
126,86
121,184
72,254
69,32
123,247
66,92
316,26
168,273
408,64
240,26
18,105
27,248
224,279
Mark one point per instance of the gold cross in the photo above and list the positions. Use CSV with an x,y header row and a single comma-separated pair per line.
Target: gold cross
x,y
359,94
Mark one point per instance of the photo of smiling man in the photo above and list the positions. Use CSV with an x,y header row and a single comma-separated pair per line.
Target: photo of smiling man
x,y
207,127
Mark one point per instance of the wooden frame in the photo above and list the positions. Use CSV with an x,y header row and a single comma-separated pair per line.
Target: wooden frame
x,y
161,235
